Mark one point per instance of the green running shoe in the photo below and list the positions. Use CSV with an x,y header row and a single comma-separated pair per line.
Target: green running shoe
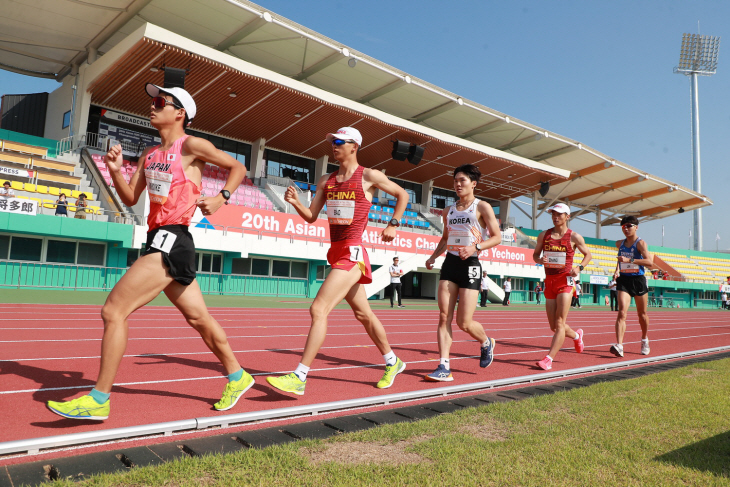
x,y
84,407
288,383
390,372
233,392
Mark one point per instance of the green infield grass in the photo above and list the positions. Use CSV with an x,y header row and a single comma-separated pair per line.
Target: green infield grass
x,y
671,428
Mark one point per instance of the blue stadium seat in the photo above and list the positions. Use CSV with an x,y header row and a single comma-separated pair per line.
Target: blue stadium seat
x,y
313,187
426,224
301,185
375,200
391,202
376,208
408,206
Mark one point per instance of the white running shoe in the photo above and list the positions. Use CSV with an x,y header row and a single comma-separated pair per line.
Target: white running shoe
x,y
617,350
645,347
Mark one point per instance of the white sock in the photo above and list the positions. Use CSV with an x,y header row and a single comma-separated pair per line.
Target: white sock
x,y
390,358
485,342
446,363
548,356
302,371
645,340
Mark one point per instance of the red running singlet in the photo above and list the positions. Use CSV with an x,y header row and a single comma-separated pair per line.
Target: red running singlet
x,y
558,254
347,207
172,195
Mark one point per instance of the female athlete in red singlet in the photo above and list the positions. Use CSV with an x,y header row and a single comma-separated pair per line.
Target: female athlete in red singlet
x,y
172,174
348,193
555,249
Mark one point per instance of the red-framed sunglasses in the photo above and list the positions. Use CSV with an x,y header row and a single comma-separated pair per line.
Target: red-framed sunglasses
x,y
160,102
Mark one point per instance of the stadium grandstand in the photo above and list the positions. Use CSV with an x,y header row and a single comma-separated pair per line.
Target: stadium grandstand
x,y
267,91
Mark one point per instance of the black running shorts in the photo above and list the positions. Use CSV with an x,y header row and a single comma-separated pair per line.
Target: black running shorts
x,y
633,285
176,245
467,274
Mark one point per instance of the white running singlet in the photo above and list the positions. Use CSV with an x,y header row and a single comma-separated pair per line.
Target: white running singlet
x,y
464,228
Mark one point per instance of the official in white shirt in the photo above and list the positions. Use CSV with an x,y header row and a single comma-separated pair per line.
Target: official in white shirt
x,y
395,284
507,286
484,290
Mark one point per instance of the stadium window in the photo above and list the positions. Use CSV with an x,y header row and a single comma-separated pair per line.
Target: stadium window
x,y
283,165
24,248
299,269
132,256
216,141
66,119
322,272
260,267
280,268
4,246
241,266
518,284
413,189
332,168
243,154
91,254
61,251
209,262
441,198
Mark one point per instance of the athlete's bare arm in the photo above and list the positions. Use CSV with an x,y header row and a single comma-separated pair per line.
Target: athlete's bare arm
x,y
372,178
580,244
128,193
203,151
537,253
309,214
487,220
441,247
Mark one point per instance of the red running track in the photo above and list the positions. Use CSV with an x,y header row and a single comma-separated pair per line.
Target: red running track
x,y
167,374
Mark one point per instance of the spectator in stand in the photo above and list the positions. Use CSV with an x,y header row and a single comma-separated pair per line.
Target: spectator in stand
x,y
538,291
612,292
507,290
395,284
81,207
484,290
61,205
7,191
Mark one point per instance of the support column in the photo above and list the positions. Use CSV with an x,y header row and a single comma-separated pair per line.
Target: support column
x,y
534,210
426,193
320,168
598,222
504,212
82,103
258,164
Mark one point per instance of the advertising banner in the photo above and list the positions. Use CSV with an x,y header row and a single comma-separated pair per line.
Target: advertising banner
x,y
18,205
13,171
243,219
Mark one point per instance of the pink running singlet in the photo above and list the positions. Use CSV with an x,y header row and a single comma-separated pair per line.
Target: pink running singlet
x,y
172,195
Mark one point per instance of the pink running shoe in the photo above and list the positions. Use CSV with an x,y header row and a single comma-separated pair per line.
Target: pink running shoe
x,y
578,341
546,363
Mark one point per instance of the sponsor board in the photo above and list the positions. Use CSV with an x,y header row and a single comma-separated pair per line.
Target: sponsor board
x,y
244,219
600,280
18,205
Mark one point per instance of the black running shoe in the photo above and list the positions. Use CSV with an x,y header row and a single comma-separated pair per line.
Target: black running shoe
x,y
487,355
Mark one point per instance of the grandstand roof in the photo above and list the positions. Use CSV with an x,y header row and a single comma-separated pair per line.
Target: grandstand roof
x,y
47,38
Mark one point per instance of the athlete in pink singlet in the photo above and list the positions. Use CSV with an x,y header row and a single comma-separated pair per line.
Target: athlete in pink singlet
x,y
348,193
172,174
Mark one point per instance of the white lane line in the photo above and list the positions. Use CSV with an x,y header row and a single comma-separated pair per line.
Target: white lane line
x,y
325,369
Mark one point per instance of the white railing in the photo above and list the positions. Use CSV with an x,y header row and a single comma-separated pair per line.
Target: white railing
x,y
94,141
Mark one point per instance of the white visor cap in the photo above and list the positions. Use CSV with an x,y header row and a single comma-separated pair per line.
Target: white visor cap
x,y
560,208
182,96
346,133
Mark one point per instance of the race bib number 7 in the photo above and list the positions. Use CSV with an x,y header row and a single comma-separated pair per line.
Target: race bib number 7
x,y
356,253
163,241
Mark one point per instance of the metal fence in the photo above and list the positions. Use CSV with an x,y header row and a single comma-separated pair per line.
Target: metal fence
x,y
75,277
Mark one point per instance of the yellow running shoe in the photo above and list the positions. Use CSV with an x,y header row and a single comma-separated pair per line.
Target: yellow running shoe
x,y
233,391
390,372
288,383
84,407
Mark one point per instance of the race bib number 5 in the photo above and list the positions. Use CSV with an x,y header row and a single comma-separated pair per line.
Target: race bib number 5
x,y
356,253
163,241
474,271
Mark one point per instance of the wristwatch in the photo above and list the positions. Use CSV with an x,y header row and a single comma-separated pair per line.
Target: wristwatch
x,y
580,266
394,222
226,195
478,247
632,260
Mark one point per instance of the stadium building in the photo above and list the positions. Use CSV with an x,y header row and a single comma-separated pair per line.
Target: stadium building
x,y
268,90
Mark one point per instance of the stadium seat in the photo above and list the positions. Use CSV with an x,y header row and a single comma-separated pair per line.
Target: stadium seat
x,y
42,189
30,187
16,185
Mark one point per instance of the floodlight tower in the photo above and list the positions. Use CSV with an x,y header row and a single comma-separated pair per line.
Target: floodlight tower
x,y
698,56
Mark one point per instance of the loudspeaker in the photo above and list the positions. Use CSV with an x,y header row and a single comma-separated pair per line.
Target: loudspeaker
x,y
400,150
415,152
544,188
174,78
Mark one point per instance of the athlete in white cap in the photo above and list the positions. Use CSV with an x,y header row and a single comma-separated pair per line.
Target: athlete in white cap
x,y
555,249
172,174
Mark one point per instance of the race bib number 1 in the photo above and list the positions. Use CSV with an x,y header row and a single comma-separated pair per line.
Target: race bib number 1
x,y
356,253
163,241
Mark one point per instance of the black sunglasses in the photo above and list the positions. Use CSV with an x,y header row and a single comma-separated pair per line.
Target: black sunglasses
x,y
160,102
342,142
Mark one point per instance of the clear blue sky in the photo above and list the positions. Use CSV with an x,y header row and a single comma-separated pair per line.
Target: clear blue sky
x,y
597,72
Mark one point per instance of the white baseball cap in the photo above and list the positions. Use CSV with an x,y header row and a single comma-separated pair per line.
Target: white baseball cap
x,y
182,96
346,133
560,208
